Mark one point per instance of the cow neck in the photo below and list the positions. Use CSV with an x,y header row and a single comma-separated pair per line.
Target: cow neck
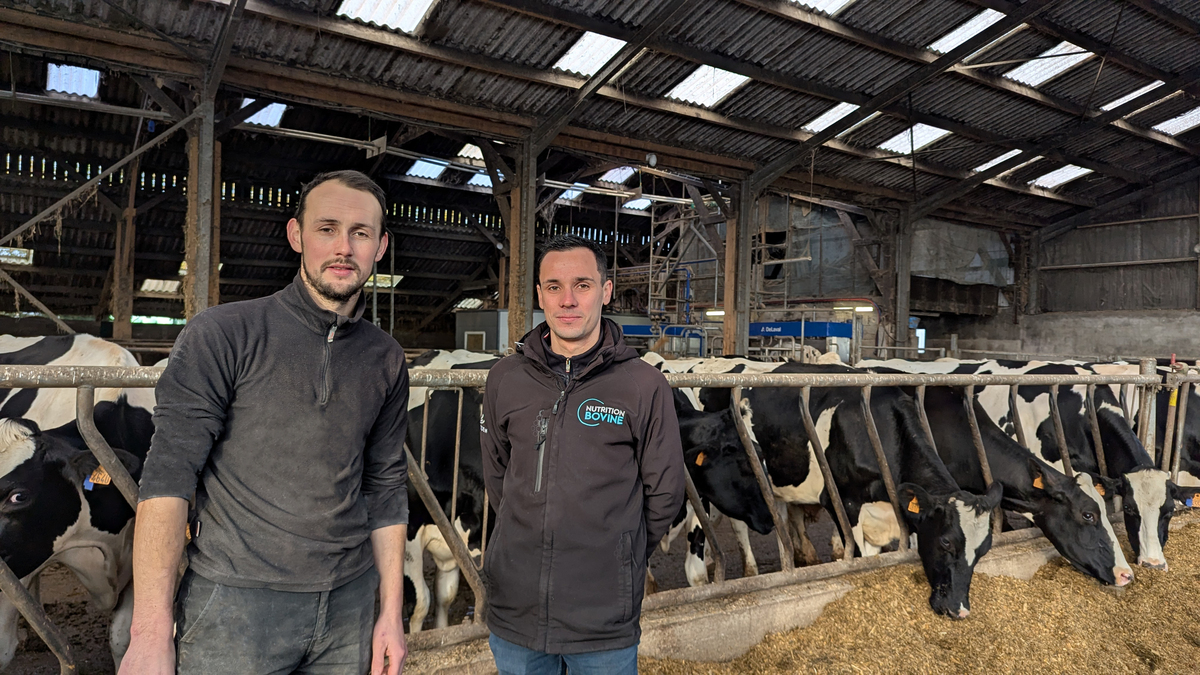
x,y
610,349
298,302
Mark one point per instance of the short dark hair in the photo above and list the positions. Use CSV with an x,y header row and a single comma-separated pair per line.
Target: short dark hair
x,y
355,180
569,242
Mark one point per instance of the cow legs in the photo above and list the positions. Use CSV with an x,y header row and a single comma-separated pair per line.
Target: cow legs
x,y
9,639
742,532
118,631
447,581
798,517
414,561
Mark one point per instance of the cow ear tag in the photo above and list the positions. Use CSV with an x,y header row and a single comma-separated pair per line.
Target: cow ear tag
x,y
100,476
913,507
700,459
1100,489
1189,501
1037,483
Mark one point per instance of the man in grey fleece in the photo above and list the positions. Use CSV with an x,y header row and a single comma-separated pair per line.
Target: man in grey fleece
x,y
583,464
286,416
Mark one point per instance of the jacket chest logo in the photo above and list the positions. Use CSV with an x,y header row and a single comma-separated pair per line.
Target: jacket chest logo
x,y
593,412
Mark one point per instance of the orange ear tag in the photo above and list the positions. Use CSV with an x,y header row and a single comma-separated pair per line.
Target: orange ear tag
x,y
700,459
1037,483
913,507
100,476
1100,489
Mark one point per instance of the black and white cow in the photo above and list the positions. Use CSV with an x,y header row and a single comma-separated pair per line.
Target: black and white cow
x,y
48,515
1070,512
423,533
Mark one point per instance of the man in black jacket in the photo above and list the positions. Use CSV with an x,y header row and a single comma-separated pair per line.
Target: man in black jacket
x,y
584,467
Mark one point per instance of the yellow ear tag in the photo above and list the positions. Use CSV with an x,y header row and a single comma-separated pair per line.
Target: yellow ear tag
x,y
700,459
1037,483
1100,489
913,507
100,476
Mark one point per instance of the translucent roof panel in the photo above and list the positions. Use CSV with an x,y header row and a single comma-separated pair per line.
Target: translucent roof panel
x,y
426,169
72,80
161,285
966,31
1002,158
830,116
913,138
1049,64
1178,125
481,180
571,195
639,204
469,303
829,7
1060,176
404,15
12,255
471,151
618,175
707,86
589,54
269,116
1131,95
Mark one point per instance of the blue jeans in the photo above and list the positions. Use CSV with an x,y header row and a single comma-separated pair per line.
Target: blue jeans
x,y
516,660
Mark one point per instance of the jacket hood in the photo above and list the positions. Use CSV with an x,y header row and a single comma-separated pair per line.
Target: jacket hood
x,y
612,345
298,302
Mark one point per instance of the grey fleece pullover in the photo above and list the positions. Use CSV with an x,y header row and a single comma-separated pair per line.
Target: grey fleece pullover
x,y
293,419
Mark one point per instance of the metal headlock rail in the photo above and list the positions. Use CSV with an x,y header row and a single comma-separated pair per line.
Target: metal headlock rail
x,y
1179,383
85,379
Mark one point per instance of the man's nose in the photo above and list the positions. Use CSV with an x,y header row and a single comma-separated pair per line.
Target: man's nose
x,y
568,298
342,245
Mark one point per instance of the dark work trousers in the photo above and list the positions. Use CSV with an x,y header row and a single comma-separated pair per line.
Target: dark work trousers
x,y
257,631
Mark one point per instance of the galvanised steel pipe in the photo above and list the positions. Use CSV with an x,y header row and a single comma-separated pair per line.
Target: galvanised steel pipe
x,y
85,402
32,610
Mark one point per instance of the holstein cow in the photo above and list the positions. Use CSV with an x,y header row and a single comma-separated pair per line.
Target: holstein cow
x,y
1070,512
423,533
49,513
951,525
1142,488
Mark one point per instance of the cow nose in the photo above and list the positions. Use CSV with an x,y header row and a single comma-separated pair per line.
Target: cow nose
x,y
963,612
1153,563
1124,575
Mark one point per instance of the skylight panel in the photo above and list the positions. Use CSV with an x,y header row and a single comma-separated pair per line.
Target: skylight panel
x,y
269,116
11,255
618,175
922,135
482,180
404,15
72,80
829,7
589,54
966,31
1178,125
1131,95
830,116
471,151
1060,176
164,286
707,86
1049,64
573,194
384,280
638,204
423,168
1002,158
469,303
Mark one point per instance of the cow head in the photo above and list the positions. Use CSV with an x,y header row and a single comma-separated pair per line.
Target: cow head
x,y
1148,499
1071,513
41,489
719,466
953,532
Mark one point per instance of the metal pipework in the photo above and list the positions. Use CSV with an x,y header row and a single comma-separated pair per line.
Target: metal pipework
x,y
1097,442
65,377
85,400
457,547
1149,368
884,469
32,610
457,454
706,526
981,452
786,552
1063,451
1015,415
1184,393
925,418
1164,456
831,487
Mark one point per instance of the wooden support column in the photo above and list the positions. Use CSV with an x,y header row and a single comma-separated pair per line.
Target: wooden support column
x,y
729,328
522,238
199,223
739,339
903,279
122,267
214,267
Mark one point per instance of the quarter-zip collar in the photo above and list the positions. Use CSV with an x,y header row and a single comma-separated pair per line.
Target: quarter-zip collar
x,y
612,349
298,302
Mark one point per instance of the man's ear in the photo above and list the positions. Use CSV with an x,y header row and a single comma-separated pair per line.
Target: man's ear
x,y
293,235
384,240
608,290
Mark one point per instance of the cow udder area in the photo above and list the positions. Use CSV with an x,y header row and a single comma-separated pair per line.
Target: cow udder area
x,y
1057,622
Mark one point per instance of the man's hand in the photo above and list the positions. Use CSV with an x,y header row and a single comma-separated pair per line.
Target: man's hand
x,y
388,648
149,655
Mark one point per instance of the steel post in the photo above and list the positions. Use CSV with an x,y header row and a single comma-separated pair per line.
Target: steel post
x,y
1063,451
457,455
786,552
1097,441
1163,455
1014,414
984,466
85,399
839,509
1147,413
1181,426
924,418
32,610
885,471
204,202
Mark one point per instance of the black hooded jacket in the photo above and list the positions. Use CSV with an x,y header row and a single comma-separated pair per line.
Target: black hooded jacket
x,y
585,480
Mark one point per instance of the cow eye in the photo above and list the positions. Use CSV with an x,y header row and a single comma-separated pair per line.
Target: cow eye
x,y
1089,517
945,543
18,498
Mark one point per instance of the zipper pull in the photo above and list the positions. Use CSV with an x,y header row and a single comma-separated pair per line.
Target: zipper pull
x,y
568,365
332,330
560,399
